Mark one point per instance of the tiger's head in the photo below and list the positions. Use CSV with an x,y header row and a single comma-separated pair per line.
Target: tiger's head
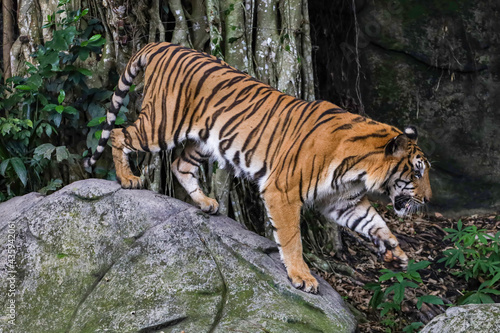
x,y
408,183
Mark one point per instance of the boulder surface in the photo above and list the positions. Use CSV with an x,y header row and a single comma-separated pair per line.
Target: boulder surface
x,y
467,318
93,257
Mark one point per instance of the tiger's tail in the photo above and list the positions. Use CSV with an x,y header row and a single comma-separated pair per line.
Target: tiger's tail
x,y
134,66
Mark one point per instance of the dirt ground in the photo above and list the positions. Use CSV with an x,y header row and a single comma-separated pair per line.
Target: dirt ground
x,y
421,237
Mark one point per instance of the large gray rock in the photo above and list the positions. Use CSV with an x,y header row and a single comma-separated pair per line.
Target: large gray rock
x,y
93,257
476,318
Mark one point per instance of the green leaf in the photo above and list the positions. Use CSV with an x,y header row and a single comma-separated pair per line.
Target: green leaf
x,y
485,299
495,279
386,307
399,293
413,327
42,99
85,71
59,108
61,153
482,239
70,110
430,299
20,169
35,81
387,276
39,130
83,53
56,118
372,286
60,98
491,291
461,258
378,295
4,166
474,297
409,284
119,121
418,266
94,38
96,121
24,87
45,150
49,107
62,39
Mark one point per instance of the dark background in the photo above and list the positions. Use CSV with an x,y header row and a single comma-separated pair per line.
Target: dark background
x,y
434,64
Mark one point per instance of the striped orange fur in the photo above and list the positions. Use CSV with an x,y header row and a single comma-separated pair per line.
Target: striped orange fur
x,y
297,152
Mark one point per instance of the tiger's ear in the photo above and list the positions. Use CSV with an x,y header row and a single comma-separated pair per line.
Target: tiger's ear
x,y
397,146
411,132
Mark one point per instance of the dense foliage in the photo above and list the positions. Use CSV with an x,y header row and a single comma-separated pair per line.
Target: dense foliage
x,y
476,255
45,112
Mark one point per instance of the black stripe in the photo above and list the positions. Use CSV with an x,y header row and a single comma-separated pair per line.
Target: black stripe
x,y
343,127
363,137
236,158
342,211
125,81
359,119
347,164
197,159
188,160
187,173
358,220
300,188
372,233
261,173
121,93
330,112
390,174
367,222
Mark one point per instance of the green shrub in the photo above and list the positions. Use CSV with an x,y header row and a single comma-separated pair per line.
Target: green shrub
x,y
476,254
388,297
45,112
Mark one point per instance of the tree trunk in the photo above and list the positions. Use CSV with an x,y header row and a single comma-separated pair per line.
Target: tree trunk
x,y
8,35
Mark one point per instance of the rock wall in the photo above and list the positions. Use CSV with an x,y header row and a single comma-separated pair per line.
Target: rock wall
x,y
434,64
93,257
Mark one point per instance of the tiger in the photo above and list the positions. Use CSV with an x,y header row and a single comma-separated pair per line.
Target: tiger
x,y
297,152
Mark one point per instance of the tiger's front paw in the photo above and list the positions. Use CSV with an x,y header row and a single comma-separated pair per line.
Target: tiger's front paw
x,y
398,256
391,251
209,205
130,181
303,280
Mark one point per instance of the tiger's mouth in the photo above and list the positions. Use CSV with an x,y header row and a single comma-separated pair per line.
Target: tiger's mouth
x,y
406,205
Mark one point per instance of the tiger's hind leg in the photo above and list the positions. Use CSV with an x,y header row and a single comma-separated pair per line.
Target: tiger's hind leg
x,y
185,168
120,157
